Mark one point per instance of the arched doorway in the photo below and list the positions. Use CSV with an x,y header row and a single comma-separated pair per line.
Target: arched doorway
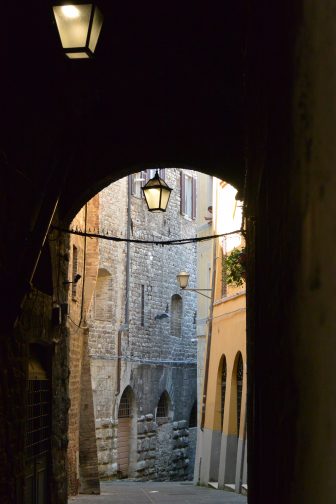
x,y
125,432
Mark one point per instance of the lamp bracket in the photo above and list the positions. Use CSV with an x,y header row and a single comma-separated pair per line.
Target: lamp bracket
x,y
198,291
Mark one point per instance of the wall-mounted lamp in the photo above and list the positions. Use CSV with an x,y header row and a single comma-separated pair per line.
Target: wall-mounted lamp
x,y
157,194
79,27
183,279
75,280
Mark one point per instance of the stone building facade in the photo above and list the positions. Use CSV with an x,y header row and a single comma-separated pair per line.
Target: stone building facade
x,y
81,260
142,333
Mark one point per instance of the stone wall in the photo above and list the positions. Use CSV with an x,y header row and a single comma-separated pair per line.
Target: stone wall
x,y
133,344
81,450
192,451
146,447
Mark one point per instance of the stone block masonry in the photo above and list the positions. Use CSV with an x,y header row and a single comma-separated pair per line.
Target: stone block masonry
x,y
142,333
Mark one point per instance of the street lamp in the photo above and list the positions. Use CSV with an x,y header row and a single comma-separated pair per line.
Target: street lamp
x,y
157,194
78,26
183,279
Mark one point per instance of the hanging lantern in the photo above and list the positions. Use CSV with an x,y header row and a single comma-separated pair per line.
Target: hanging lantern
x,y
79,27
157,194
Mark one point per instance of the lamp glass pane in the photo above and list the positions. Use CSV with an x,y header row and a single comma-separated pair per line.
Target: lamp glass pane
x,y
183,279
77,55
73,24
164,198
95,30
152,197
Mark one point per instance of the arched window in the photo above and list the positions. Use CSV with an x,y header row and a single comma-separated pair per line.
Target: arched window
x,y
176,315
240,374
223,388
124,405
103,296
193,415
163,408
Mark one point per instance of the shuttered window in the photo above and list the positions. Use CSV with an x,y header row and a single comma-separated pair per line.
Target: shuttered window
x,y
188,195
138,180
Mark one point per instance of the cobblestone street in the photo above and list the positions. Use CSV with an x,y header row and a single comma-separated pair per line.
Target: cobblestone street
x,y
126,492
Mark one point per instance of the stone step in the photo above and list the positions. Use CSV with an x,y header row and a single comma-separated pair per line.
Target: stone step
x,y
213,484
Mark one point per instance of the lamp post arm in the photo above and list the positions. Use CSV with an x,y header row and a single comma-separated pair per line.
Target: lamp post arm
x,y
198,292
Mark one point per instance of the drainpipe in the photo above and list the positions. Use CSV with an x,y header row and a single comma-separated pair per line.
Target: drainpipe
x,y
128,245
206,370
241,473
213,288
124,327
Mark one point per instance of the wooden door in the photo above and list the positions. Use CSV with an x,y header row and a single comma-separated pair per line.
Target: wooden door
x,y
124,426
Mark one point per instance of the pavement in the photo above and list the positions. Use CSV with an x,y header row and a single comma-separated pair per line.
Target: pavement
x,y
131,492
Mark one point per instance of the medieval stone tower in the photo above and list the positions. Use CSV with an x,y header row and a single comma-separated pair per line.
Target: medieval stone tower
x,y
142,333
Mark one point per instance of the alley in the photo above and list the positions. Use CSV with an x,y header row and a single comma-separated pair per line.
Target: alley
x,y
122,492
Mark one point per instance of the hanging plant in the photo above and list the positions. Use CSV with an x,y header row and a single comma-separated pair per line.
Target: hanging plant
x,y
234,265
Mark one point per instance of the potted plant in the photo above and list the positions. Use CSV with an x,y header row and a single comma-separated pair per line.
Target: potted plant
x,y
234,265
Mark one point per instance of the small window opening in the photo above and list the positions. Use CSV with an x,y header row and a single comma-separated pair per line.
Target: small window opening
x,y
162,411
193,416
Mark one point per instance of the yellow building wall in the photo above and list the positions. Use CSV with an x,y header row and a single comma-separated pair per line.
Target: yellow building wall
x,y
204,272
228,339
229,315
222,444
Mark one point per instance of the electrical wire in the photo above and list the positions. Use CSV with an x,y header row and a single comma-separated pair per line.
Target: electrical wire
x,y
182,241
153,362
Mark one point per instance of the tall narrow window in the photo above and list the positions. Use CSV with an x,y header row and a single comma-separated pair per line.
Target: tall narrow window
x,y
142,305
223,389
74,271
176,315
151,172
188,195
138,180
193,416
240,373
